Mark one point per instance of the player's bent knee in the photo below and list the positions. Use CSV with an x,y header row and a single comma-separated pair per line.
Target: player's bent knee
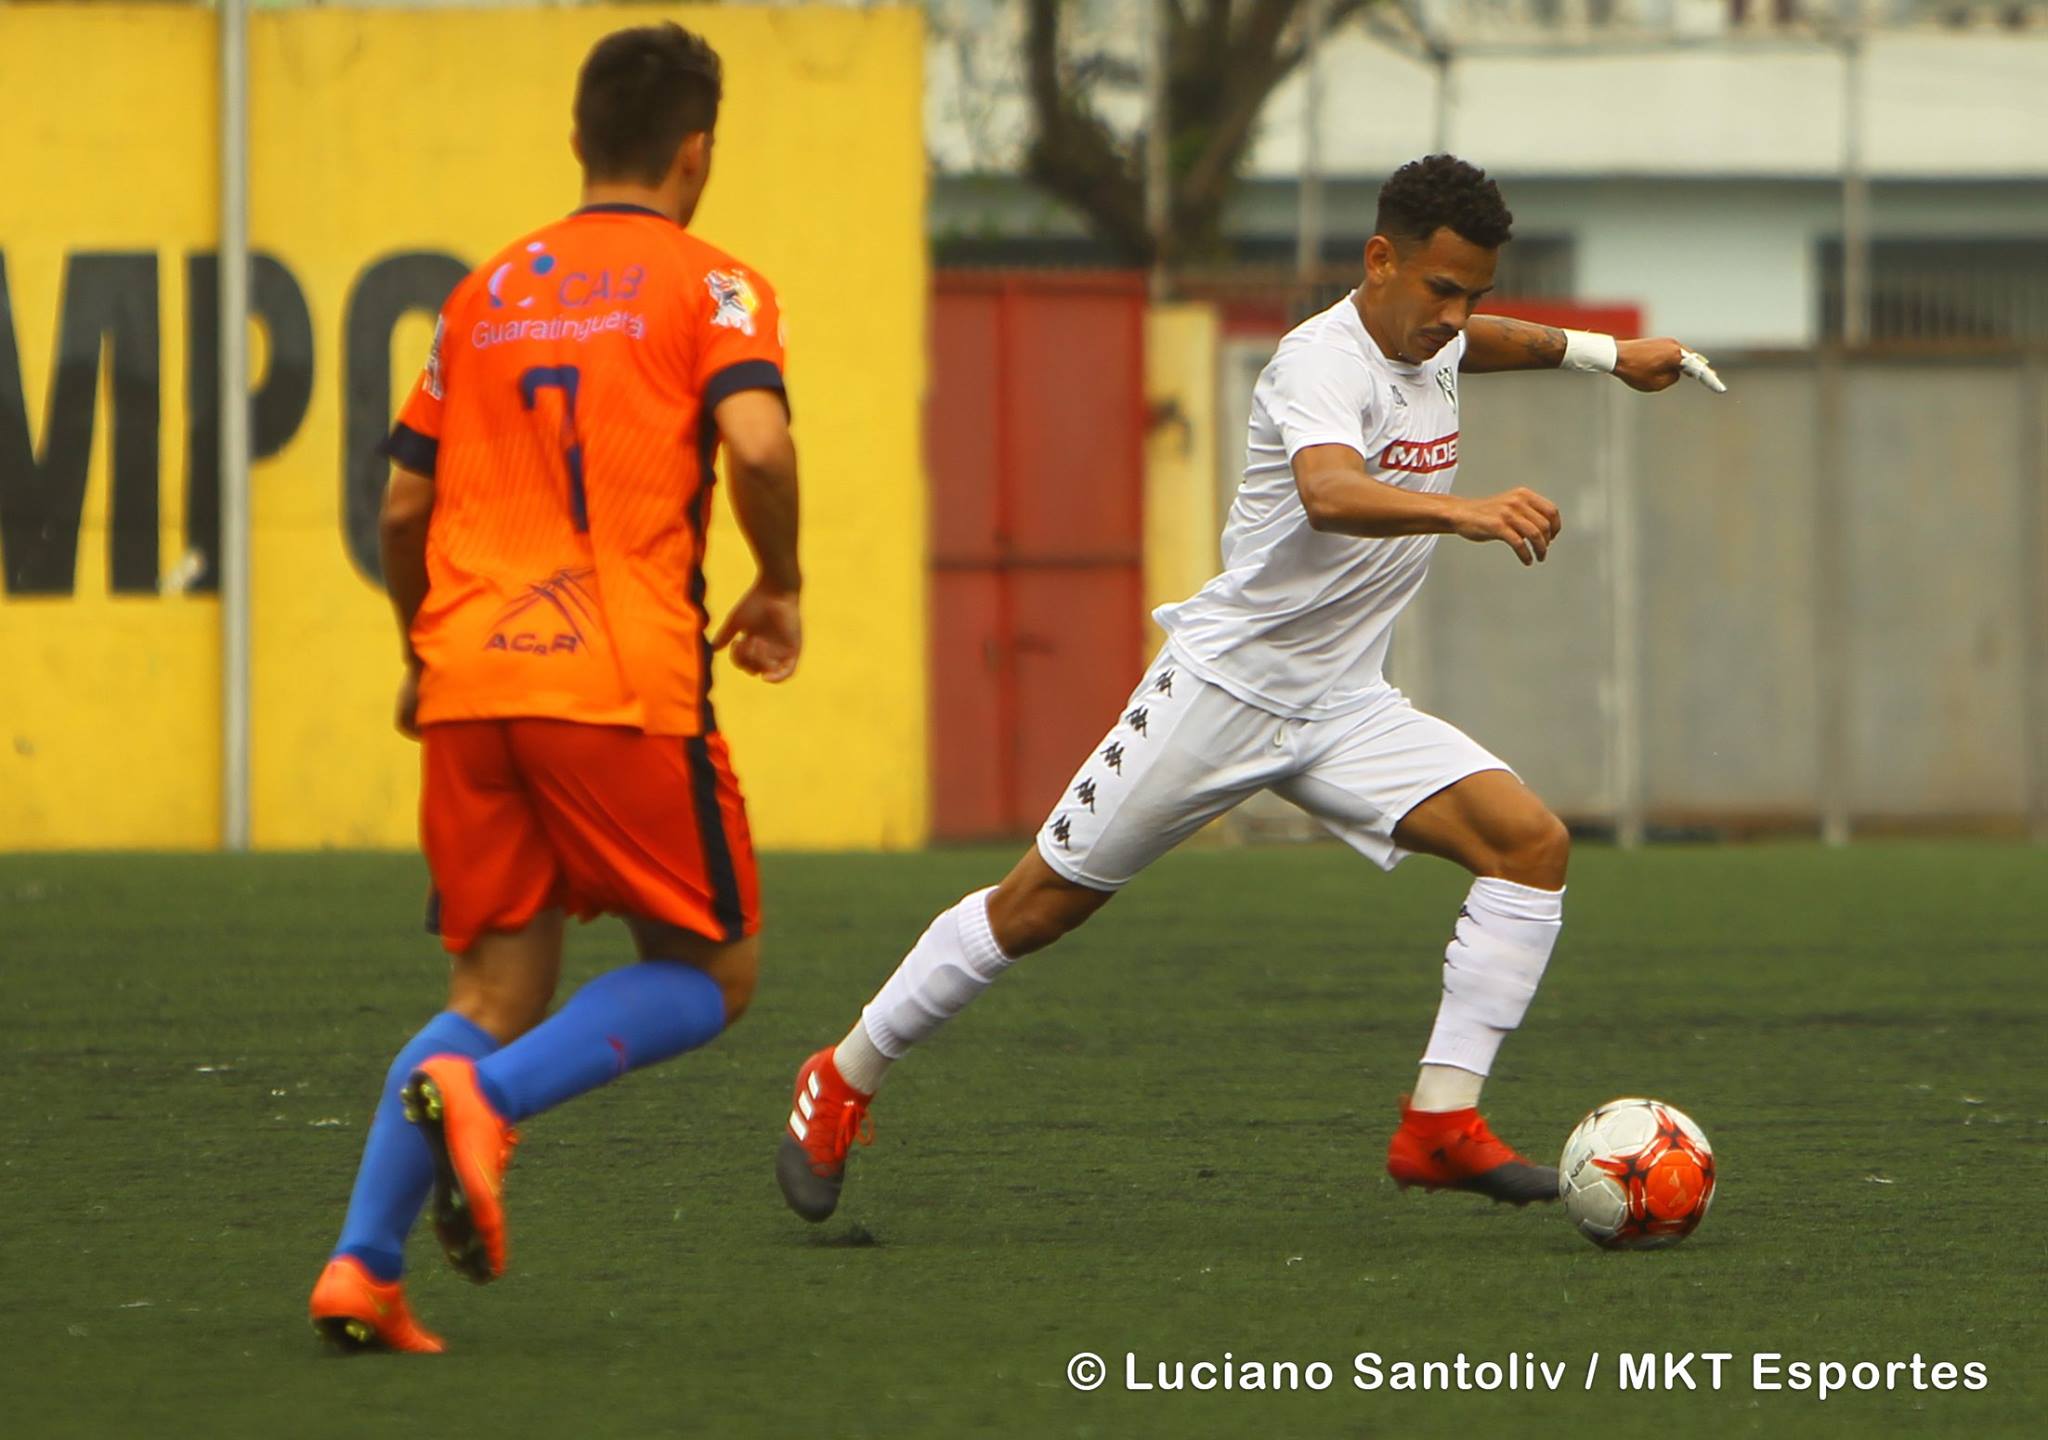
x,y
736,981
505,1017
1538,854
505,980
735,968
1035,905
1031,921
734,965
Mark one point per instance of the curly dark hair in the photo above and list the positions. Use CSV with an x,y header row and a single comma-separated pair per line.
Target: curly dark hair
x,y
1442,192
641,92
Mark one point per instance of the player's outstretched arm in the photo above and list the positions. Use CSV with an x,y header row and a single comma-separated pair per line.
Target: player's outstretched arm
x,y
765,629
1652,365
1341,498
402,547
1494,342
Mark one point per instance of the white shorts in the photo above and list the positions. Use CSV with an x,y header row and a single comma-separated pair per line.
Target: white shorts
x,y
1186,751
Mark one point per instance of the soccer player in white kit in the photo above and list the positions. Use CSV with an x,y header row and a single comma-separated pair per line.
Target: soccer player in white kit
x,y
1271,679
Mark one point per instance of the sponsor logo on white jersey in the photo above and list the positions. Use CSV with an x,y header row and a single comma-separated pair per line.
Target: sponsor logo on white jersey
x,y
1421,457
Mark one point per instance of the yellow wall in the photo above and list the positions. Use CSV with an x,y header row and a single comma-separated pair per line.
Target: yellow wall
x,y
375,132
1181,520
109,705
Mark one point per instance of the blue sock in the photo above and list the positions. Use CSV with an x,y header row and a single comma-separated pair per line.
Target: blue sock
x,y
397,1170
620,1021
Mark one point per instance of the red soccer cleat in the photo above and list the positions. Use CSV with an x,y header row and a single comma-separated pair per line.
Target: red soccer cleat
x,y
472,1147
1457,1150
825,1119
352,1310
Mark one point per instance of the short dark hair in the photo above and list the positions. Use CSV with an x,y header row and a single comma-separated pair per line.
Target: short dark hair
x,y
640,93
1442,192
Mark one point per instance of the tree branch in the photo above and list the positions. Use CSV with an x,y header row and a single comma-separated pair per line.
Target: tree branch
x,y
1259,32
1224,59
1072,153
1208,179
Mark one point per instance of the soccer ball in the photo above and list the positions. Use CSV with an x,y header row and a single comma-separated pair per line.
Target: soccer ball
x,y
1636,1174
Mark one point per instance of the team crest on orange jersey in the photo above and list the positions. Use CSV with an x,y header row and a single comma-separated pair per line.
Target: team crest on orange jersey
x,y
433,378
736,298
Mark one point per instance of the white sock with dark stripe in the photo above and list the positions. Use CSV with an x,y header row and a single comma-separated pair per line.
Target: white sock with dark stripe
x,y
953,961
1492,967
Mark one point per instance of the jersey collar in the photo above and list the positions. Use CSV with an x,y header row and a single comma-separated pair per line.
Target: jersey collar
x,y
620,209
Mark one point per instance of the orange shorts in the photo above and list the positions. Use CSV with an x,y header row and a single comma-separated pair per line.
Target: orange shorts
x,y
520,815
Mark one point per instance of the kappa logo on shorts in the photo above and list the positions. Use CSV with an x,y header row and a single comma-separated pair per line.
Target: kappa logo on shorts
x,y
564,592
1085,793
1060,831
1137,719
1164,684
1114,756
1464,913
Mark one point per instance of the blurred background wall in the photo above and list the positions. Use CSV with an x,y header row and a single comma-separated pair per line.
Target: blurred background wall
x,y
1815,605
1683,156
1035,252
390,151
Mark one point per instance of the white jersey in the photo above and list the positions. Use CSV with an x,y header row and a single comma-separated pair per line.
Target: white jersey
x,y
1298,622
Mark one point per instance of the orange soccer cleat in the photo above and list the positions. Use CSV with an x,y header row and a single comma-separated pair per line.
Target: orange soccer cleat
x,y
472,1147
1457,1150
352,1310
825,1119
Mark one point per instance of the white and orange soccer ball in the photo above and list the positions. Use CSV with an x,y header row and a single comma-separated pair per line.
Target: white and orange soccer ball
x,y
1636,1174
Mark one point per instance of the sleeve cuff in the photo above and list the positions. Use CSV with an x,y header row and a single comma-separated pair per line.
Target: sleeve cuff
x,y
1295,444
744,375
409,448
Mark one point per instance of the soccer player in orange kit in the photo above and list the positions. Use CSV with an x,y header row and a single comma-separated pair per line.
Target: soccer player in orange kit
x,y
543,544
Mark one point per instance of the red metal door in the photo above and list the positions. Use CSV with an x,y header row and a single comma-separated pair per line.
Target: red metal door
x,y
1035,435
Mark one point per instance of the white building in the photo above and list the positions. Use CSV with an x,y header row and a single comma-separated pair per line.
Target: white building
x,y
1686,156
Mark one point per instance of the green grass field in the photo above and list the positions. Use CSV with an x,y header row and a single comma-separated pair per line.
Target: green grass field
x,y
1163,1137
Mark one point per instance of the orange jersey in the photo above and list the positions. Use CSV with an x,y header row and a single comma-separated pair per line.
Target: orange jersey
x,y
565,415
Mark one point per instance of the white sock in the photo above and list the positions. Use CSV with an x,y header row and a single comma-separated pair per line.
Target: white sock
x,y
1491,970
858,1062
952,962
1446,1087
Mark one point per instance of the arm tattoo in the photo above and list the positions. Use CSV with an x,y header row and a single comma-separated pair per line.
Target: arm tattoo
x,y
1504,344
1543,344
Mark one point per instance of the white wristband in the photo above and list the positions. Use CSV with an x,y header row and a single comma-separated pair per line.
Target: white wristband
x,y
1589,350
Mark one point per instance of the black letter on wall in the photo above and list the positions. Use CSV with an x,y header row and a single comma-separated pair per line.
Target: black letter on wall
x,y
107,297
276,410
389,289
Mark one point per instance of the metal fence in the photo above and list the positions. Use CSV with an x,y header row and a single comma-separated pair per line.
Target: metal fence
x,y
1817,604
1945,288
1535,22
